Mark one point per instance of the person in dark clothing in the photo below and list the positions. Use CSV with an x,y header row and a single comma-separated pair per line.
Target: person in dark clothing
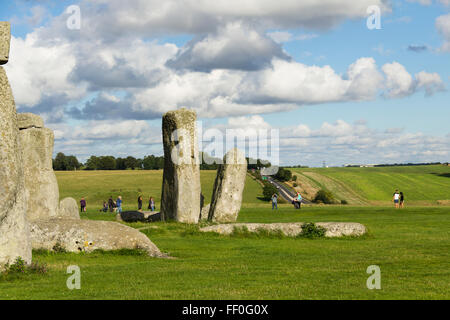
x,y
83,205
111,204
105,207
140,199
402,199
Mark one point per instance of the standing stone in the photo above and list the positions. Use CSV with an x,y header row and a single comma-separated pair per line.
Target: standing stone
x,y
14,230
29,120
68,208
40,180
180,199
5,38
205,212
228,188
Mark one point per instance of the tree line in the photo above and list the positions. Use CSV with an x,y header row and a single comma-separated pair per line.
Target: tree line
x,y
151,162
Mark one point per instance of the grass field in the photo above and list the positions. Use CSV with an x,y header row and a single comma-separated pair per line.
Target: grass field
x,y
422,185
98,186
411,246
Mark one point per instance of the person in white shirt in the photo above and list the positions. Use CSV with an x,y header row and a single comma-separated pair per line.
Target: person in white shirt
x,y
396,199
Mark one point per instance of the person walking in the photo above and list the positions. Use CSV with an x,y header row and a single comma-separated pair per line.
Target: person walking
x,y
396,199
151,204
119,204
111,204
297,201
83,204
274,201
402,199
140,199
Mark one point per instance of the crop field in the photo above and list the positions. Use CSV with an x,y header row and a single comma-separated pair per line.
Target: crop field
x,y
422,185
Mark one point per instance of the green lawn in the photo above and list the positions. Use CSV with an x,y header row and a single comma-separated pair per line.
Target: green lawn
x,y
422,185
411,246
98,186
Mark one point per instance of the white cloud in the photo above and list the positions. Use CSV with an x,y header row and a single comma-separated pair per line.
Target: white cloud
x,y
430,82
285,36
203,16
399,82
443,27
36,71
234,46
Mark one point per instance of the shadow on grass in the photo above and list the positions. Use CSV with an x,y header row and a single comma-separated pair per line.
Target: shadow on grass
x,y
445,175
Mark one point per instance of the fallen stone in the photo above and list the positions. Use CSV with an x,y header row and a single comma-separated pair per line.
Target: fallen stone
x,y
138,216
40,180
14,229
180,199
5,38
333,229
29,120
229,185
68,208
88,235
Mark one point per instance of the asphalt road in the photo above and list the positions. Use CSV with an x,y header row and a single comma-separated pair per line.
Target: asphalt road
x,y
284,192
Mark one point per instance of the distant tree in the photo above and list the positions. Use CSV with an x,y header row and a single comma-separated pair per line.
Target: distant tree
x,y
121,164
65,163
106,163
60,162
269,190
283,175
92,163
324,196
72,163
131,163
153,163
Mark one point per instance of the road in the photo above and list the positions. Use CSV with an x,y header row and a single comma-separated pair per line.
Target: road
x,y
284,192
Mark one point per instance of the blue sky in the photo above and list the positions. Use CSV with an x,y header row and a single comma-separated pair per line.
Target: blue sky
x,y
126,66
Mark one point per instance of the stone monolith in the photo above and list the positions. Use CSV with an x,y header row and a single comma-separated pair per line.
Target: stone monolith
x,y
68,208
14,230
40,181
5,38
181,188
229,185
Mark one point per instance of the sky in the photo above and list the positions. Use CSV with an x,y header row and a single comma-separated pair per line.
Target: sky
x,y
336,86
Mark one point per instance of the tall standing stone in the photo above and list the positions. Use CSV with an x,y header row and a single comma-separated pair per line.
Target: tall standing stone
x,y
5,38
180,199
40,181
14,230
228,188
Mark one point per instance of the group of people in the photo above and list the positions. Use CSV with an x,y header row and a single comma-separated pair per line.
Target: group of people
x,y
112,206
399,199
296,201
116,206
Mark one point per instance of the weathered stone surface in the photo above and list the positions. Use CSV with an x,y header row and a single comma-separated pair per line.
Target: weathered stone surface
x,y
29,120
180,198
5,38
68,208
228,188
333,229
14,229
138,216
205,212
87,235
40,180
